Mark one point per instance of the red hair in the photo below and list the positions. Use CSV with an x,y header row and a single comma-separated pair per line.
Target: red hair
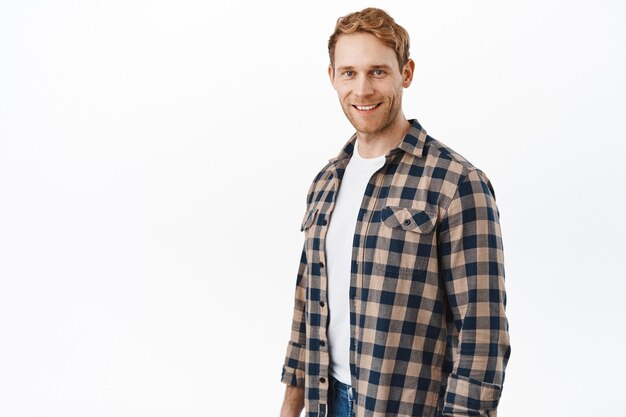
x,y
378,23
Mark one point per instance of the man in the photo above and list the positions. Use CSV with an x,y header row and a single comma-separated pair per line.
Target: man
x,y
400,301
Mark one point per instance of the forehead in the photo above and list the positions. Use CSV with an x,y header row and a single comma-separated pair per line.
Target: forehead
x,y
363,50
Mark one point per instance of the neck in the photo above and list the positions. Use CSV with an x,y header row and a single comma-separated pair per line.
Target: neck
x,y
372,145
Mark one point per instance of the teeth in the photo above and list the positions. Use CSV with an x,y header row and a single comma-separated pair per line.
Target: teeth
x,y
366,107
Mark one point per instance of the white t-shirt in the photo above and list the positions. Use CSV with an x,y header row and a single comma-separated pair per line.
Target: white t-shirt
x,y
339,258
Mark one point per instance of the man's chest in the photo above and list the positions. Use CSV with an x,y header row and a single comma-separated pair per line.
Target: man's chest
x,y
394,232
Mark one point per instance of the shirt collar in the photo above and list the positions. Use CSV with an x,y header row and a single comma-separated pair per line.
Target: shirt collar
x,y
413,143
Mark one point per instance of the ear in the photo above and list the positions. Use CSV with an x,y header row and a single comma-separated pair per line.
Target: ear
x,y
331,75
407,73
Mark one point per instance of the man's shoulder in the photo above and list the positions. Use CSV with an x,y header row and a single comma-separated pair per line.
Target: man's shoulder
x,y
445,158
444,155
321,180
323,174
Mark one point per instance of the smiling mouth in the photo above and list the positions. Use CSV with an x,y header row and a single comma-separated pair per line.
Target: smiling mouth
x,y
366,108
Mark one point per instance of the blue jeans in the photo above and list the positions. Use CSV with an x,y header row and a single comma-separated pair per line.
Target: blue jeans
x,y
339,399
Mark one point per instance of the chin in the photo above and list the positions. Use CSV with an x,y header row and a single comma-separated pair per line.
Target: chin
x,y
369,128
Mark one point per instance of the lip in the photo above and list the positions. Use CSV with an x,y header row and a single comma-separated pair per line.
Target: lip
x,y
366,108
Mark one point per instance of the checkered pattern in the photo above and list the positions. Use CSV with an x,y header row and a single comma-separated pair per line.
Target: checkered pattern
x,y
429,335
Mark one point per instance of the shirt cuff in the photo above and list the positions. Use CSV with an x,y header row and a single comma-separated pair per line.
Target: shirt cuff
x,y
468,397
293,369
293,377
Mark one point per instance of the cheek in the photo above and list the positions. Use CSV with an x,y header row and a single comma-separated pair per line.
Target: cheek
x,y
343,94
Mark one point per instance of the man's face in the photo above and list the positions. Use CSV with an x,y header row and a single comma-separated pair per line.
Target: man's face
x,y
369,82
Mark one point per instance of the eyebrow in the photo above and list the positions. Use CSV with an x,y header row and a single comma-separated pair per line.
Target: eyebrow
x,y
350,67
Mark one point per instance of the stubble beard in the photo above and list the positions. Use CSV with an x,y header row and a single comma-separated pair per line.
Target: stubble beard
x,y
379,128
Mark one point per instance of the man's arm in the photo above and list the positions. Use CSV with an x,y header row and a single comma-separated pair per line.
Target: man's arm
x,y
293,402
293,368
472,264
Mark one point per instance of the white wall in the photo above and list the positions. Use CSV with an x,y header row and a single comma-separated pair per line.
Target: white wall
x,y
154,161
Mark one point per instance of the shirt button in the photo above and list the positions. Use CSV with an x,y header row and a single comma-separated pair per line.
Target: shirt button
x,y
407,222
322,304
322,343
321,264
322,380
325,222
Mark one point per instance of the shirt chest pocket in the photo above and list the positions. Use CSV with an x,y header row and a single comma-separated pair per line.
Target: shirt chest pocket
x,y
308,219
405,241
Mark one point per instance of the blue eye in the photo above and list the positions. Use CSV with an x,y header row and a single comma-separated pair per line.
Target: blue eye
x,y
379,72
348,73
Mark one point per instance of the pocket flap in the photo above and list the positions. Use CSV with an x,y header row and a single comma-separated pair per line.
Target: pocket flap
x,y
309,217
412,220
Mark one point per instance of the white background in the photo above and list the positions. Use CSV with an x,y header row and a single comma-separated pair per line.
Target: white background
x,y
154,162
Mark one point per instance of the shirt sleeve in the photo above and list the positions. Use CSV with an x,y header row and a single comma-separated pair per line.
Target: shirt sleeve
x,y
472,265
293,368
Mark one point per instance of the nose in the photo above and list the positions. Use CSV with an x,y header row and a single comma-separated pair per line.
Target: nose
x,y
363,87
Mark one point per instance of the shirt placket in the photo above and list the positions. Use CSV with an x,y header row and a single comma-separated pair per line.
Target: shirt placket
x,y
324,355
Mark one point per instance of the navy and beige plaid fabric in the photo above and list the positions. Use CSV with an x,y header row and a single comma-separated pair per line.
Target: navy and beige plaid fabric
x,y
429,335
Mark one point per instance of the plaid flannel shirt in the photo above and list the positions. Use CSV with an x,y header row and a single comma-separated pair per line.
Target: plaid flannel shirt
x,y
428,331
